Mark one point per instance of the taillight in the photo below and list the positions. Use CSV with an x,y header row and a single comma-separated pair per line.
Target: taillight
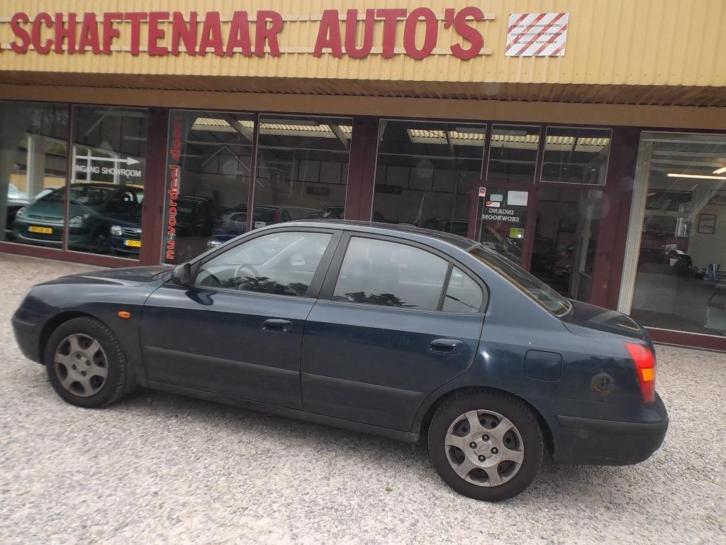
x,y
644,361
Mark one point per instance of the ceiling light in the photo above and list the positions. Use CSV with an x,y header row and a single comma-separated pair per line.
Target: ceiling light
x,y
721,170
698,176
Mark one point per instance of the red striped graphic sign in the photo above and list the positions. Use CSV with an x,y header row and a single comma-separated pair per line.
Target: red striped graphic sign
x,y
537,34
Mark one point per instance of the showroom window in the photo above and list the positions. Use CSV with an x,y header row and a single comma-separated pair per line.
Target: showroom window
x,y
302,168
107,180
208,177
576,155
675,268
425,171
565,238
513,153
33,167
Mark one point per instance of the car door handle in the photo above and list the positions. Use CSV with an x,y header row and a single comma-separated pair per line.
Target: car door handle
x,y
445,346
277,325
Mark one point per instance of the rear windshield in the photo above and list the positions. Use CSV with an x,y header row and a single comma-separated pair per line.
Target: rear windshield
x,y
531,285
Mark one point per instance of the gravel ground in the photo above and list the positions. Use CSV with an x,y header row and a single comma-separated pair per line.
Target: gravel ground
x,y
158,468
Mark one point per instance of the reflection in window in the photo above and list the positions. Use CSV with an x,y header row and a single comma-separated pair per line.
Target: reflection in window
x,y
513,153
210,156
576,155
503,221
280,263
463,294
681,273
565,242
107,180
33,166
302,168
377,272
424,173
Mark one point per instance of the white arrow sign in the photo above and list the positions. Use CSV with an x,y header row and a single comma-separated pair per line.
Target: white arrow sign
x,y
127,160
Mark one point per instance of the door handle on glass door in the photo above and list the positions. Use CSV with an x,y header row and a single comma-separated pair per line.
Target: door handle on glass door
x,y
277,325
445,346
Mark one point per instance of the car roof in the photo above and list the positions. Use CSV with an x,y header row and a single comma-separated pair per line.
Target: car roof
x,y
410,232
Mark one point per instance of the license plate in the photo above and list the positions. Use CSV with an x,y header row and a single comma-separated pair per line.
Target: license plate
x,y
41,230
132,243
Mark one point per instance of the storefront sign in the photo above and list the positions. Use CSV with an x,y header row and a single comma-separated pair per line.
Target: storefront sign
x,y
341,34
537,34
111,171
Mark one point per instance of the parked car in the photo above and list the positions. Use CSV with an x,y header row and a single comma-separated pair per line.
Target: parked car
x,y
196,216
403,332
94,208
16,200
126,238
234,222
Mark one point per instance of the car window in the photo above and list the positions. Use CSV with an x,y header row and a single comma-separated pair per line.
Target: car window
x,y
463,294
281,263
377,272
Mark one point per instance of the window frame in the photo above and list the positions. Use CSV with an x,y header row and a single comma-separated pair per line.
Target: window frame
x,y
315,286
540,178
538,155
333,273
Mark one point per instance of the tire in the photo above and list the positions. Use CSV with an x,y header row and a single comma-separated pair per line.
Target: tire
x,y
493,462
101,243
70,352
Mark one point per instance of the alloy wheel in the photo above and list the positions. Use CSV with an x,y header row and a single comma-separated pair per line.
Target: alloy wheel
x,y
81,365
484,448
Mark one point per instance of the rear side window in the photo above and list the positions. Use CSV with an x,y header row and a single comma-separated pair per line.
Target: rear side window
x,y
462,293
378,272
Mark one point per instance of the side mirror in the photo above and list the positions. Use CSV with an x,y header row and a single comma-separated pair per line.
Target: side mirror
x,y
183,275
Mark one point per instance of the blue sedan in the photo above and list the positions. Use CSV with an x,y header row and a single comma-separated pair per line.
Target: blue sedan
x,y
396,331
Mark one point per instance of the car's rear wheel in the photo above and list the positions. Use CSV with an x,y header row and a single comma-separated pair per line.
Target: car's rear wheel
x,y
487,446
85,363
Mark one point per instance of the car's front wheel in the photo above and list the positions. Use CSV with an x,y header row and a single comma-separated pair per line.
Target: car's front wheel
x,y
487,446
86,363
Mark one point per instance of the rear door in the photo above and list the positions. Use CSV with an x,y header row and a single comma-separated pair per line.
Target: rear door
x,y
394,322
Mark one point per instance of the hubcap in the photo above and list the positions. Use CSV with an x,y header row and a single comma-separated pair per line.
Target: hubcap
x,y
484,448
81,365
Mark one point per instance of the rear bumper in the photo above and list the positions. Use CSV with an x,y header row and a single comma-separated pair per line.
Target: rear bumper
x,y
608,442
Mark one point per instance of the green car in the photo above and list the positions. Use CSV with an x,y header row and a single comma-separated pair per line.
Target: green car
x,y
94,208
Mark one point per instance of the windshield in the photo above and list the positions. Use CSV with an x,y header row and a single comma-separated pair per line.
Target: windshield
x,y
531,285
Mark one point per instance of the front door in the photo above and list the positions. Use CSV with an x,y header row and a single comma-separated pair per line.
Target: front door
x,y
397,322
238,330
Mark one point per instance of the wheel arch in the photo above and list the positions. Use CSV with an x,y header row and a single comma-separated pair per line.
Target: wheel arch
x,y
55,322
425,420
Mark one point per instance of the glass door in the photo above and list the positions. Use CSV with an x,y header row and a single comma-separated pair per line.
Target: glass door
x,y
565,239
502,218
